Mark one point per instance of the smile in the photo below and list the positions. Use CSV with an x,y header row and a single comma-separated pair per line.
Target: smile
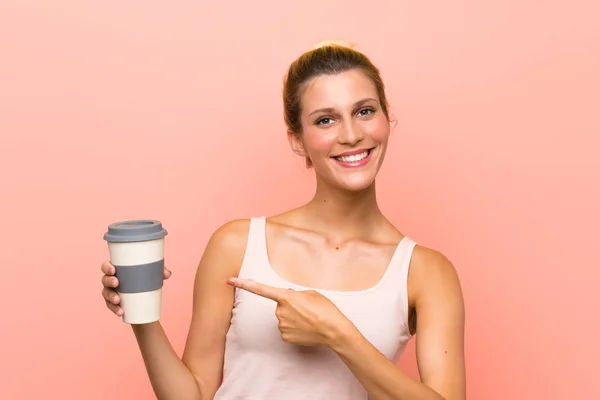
x,y
354,160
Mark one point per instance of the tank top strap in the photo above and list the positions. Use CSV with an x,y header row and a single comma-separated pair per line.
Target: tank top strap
x,y
255,255
397,274
395,285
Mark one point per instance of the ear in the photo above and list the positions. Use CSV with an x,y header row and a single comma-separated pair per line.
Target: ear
x,y
393,124
296,143
392,119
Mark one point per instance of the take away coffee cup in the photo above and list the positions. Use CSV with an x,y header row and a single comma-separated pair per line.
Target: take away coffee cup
x,y
137,251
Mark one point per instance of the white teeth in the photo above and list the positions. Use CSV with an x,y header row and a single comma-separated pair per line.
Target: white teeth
x,y
353,158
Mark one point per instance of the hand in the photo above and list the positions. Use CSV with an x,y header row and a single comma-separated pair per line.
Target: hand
x,y
110,282
306,318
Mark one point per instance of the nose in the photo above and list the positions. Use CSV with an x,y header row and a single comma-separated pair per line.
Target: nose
x,y
350,134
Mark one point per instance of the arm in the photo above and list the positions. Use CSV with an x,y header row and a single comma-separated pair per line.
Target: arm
x,y
438,301
197,375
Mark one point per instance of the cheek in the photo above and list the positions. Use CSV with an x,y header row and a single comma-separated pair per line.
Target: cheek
x,y
319,141
378,130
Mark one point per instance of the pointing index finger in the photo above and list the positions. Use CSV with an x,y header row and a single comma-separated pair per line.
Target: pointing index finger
x,y
260,289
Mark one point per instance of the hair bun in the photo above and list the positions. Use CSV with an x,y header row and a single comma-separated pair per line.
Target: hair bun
x,y
334,43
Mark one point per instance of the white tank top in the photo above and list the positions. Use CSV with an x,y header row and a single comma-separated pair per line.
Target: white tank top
x,y
258,365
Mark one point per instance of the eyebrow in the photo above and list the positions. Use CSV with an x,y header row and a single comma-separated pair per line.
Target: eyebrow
x,y
357,104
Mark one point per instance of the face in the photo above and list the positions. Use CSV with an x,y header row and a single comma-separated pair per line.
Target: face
x,y
345,132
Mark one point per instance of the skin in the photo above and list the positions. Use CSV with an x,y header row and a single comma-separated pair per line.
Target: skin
x,y
340,240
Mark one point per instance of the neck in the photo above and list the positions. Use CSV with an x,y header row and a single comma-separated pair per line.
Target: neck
x,y
343,214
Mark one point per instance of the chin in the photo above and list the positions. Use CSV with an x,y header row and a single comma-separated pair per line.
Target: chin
x,y
349,179
355,185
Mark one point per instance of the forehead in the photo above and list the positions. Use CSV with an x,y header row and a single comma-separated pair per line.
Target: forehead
x,y
339,91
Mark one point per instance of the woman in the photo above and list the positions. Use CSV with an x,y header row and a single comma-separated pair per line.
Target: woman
x,y
320,301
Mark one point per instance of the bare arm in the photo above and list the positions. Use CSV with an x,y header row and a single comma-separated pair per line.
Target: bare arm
x,y
169,376
213,304
438,302
198,374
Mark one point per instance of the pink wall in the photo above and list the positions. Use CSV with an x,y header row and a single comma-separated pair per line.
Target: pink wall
x,y
137,109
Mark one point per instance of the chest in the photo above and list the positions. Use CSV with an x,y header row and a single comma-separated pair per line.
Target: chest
x,y
379,316
340,268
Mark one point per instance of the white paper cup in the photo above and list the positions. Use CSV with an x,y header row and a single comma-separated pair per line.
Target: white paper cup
x,y
137,251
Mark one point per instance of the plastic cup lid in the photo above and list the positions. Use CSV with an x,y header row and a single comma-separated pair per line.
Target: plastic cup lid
x,y
134,231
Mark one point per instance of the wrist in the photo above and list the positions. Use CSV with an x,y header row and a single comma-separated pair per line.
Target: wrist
x,y
341,336
141,329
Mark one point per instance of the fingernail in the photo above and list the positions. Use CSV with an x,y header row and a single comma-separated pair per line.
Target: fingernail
x,y
232,281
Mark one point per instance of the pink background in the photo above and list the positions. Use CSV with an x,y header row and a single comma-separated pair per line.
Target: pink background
x,y
172,110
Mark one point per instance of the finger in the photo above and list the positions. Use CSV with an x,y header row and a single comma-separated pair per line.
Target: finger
x,y
108,268
110,281
110,296
167,273
114,308
260,289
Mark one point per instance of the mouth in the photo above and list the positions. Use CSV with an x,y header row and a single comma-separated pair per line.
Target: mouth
x,y
354,160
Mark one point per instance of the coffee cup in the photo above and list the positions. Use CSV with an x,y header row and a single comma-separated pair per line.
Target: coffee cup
x,y
137,252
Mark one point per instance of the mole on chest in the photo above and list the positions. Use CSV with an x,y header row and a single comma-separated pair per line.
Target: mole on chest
x,y
332,269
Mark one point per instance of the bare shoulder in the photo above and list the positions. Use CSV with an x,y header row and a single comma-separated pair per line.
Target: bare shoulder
x,y
227,244
431,273
231,235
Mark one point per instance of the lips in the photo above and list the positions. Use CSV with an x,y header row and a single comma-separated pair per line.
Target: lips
x,y
353,156
353,152
354,159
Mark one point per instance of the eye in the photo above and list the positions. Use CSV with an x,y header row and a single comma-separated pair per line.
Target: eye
x,y
324,121
366,111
